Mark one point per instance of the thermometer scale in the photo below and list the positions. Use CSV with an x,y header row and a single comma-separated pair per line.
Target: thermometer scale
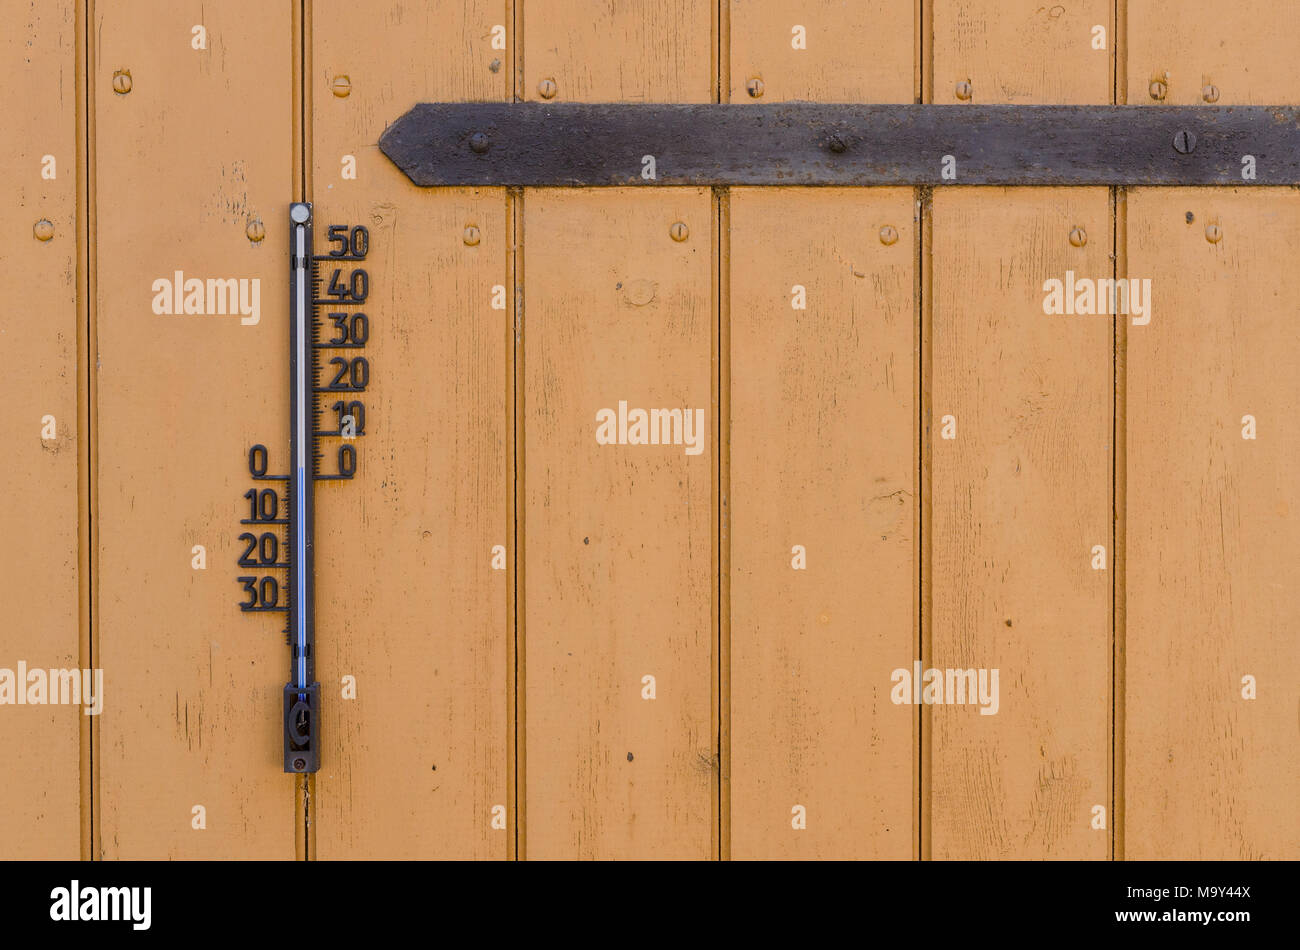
x,y
293,591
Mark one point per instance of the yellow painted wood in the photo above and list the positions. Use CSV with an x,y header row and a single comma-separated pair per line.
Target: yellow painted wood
x,y
823,457
596,51
618,539
197,149
1021,51
39,803
408,600
1212,527
1245,52
490,360
615,309
1018,500
825,50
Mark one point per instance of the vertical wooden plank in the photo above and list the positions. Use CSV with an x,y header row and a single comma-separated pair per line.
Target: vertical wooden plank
x,y
823,445
187,162
412,592
39,743
1200,56
1211,577
1213,528
822,502
619,539
597,51
1021,51
1020,498
821,51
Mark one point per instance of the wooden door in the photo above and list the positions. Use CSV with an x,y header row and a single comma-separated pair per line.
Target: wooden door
x,y
668,499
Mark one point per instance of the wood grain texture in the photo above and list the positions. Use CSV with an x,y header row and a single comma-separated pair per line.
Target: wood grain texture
x,y
823,455
597,51
615,309
618,539
408,600
850,52
39,805
1248,55
1018,500
198,147
1021,51
1213,528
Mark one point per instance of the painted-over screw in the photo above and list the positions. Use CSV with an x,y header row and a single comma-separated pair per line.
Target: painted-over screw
x,y
679,231
1213,233
1210,93
547,88
341,86
963,90
122,82
888,235
43,229
255,230
754,87
471,236
1158,89
478,142
1078,237
1184,142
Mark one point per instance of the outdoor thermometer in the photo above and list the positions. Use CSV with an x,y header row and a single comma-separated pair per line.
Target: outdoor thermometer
x,y
326,326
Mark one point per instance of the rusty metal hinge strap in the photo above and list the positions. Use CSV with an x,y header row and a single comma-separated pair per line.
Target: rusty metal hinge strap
x,y
571,144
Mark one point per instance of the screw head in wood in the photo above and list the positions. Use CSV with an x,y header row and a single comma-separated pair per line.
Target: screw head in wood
x,y
255,230
478,142
1210,93
547,89
888,235
341,86
1158,89
963,90
755,88
471,236
1078,237
1213,233
679,232
1184,142
43,229
122,81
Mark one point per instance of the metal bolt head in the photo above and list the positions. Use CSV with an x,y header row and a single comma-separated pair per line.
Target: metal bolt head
x,y
1158,89
1184,141
755,88
1078,237
547,88
471,236
679,232
478,142
888,235
122,81
43,229
341,86
1210,93
836,143
1213,233
963,90
255,230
